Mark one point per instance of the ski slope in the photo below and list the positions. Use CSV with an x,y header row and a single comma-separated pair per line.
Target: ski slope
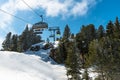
x,y
20,66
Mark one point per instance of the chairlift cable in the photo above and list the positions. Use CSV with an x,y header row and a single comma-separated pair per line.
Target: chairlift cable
x,y
40,25
31,8
13,16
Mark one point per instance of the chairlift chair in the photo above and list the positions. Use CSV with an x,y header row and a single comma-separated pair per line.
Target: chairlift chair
x,y
40,25
38,29
58,32
38,32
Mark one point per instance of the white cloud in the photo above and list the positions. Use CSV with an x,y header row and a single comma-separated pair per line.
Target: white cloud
x,y
80,8
52,8
55,8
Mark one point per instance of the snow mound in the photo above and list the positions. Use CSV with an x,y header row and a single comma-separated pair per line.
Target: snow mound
x,y
56,43
44,54
20,66
41,44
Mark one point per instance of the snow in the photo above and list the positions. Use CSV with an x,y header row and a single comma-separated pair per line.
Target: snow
x,y
34,65
20,66
44,55
56,43
41,44
91,73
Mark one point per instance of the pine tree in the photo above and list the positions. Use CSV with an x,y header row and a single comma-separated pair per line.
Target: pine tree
x,y
24,38
83,39
117,29
61,53
100,32
90,32
86,35
104,55
20,44
72,36
14,41
117,24
110,29
66,33
27,38
96,56
7,42
72,62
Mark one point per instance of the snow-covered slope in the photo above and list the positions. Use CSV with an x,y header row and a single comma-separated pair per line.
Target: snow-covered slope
x,y
20,66
44,54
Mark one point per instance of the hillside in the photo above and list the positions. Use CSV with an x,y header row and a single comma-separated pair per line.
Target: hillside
x,y
19,66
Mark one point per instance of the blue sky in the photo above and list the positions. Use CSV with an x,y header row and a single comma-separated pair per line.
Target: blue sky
x,y
56,13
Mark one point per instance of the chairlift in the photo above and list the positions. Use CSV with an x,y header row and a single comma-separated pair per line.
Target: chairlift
x,y
38,29
55,31
58,32
41,24
38,32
